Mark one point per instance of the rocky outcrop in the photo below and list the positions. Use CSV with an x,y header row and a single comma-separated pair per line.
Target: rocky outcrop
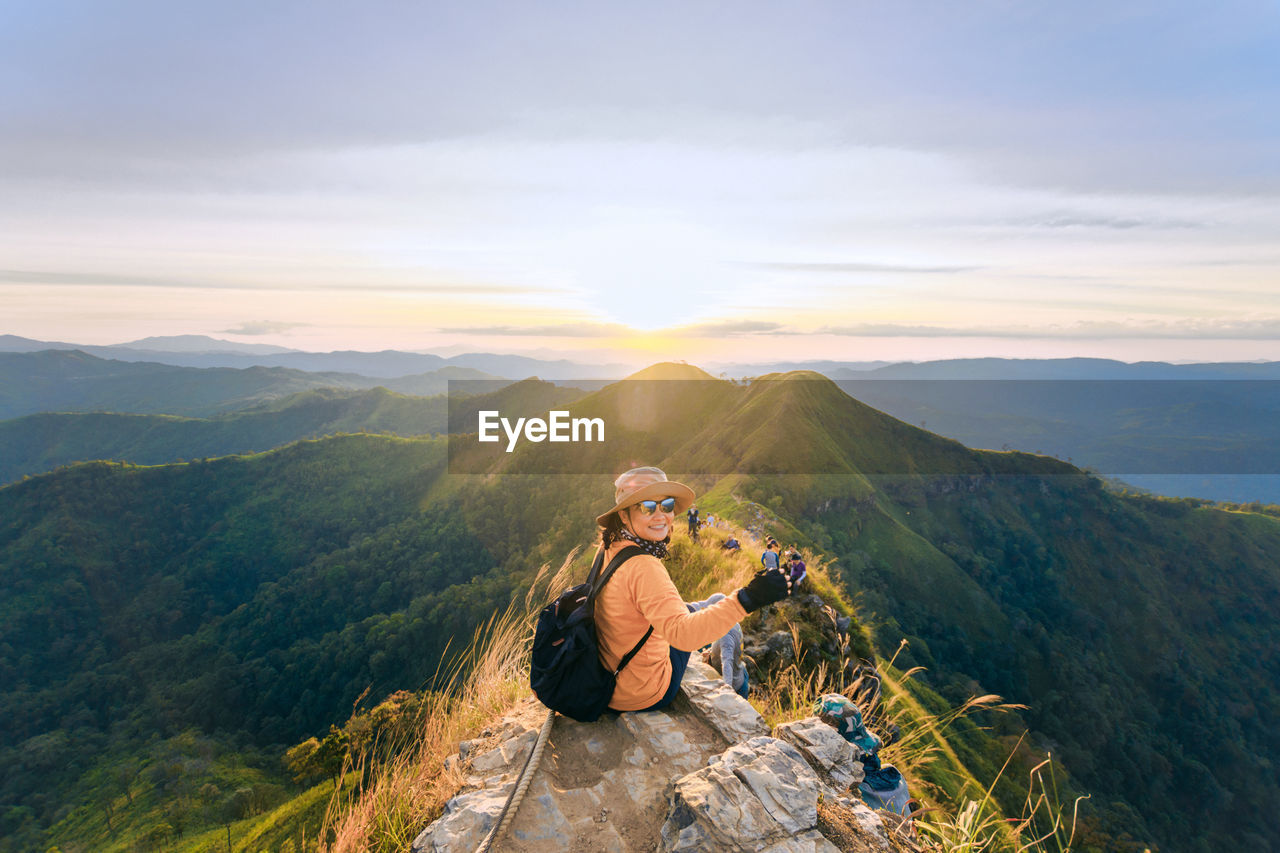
x,y
758,795
705,775
837,761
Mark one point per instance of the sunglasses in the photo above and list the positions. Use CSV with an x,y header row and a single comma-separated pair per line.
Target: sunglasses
x,y
650,507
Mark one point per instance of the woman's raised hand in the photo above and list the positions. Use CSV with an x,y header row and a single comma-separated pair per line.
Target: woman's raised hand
x,y
768,586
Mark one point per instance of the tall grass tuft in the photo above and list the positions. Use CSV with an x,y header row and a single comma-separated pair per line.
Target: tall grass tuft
x,y
387,796
1043,827
790,694
388,793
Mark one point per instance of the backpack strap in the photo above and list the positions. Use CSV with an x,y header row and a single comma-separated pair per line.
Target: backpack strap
x,y
622,556
625,554
595,567
626,659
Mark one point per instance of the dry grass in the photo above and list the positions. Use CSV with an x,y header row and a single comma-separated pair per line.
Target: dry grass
x,y
792,693
700,568
977,823
1043,827
974,823
383,804
393,793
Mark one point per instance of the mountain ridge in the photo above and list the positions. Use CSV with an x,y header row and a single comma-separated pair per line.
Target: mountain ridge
x,y
386,364
518,366
73,380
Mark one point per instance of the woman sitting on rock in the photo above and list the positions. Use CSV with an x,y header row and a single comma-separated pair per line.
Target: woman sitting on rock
x,y
641,594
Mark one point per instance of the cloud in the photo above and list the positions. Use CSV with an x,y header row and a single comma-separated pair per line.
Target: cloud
x,y
76,279
1206,329
1192,329
894,330
714,329
860,267
1103,93
1087,220
262,327
1189,329
726,328
562,330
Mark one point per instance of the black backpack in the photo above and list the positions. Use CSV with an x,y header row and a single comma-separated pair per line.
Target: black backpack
x,y
565,671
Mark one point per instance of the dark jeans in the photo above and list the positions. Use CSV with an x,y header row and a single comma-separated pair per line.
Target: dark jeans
x,y
679,663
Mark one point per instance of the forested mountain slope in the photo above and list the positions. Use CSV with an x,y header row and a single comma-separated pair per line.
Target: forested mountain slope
x,y
1130,626
38,443
251,598
1212,438
41,442
73,381
257,597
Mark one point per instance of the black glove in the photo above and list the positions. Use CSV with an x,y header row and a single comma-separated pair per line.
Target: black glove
x,y
768,586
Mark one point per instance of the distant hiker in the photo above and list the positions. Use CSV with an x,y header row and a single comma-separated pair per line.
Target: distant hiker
x,y
731,544
729,651
640,611
796,569
692,516
711,520
769,559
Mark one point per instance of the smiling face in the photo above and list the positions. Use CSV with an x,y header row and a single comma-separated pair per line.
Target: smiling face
x,y
655,526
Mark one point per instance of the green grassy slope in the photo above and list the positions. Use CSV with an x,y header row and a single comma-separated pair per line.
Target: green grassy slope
x,y
251,598
1133,628
74,381
1130,627
1182,431
70,380
39,443
255,598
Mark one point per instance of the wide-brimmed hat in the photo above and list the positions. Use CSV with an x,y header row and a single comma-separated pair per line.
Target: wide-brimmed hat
x,y
642,484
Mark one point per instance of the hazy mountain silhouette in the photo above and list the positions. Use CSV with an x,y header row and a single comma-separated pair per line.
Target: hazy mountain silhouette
x,y
74,381
202,351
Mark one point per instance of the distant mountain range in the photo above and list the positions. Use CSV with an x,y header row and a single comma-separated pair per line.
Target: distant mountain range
x,y
1059,368
200,343
74,381
203,351
200,351
161,344
1207,430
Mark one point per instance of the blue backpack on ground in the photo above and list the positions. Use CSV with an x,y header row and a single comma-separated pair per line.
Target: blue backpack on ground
x,y
883,786
886,789
565,671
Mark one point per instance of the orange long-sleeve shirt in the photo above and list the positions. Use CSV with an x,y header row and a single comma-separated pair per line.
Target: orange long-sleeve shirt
x,y
641,594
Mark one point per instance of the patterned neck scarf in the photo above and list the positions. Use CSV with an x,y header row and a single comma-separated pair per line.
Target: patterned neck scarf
x,y
649,546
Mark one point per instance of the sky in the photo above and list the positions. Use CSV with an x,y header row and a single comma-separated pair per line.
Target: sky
x,y
702,181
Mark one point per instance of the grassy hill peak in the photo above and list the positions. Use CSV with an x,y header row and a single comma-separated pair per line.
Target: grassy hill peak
x,y
670,370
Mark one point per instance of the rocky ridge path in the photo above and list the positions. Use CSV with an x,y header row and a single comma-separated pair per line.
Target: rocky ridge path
x,y
705,775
